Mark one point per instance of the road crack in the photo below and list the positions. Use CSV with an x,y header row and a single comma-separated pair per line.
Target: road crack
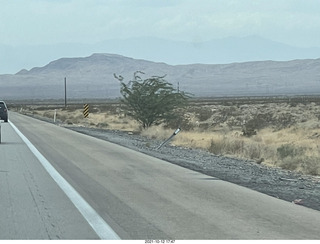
x,y
52,230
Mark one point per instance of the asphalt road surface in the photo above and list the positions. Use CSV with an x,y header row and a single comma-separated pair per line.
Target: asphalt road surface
x,y
111,191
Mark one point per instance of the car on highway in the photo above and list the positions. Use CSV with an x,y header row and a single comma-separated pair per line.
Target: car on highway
x,y
3,111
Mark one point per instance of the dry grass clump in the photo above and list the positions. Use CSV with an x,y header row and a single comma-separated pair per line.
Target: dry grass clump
x,y
286,136
101,116
156,132
230,144
280,149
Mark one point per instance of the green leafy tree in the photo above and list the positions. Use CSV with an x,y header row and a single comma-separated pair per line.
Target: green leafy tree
x,y
151,101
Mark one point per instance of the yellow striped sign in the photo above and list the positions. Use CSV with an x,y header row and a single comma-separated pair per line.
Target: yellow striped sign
x,y
86,110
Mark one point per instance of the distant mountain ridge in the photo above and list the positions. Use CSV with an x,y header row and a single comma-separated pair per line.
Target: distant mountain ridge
x,y
216,51
92,77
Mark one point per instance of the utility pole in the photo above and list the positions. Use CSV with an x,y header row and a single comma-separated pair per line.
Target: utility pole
x,y
65,92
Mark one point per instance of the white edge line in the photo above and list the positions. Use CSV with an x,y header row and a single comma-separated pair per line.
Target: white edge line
x,y
103,230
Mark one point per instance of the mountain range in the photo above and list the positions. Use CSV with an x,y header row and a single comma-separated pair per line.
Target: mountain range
x,y
93,77
216,51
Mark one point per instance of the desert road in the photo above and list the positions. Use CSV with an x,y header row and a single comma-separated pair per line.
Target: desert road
x,y
59,184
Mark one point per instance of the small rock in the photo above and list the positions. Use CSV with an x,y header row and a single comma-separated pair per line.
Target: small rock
x,y
260,161
298,201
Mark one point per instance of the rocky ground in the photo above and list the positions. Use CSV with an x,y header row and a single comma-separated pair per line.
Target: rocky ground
x,y
290,186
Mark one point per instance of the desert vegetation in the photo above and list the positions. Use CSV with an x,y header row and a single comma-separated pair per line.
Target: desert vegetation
x,y
282,134
152,100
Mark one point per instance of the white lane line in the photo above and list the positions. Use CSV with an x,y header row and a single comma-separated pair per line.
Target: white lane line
x,y
102,229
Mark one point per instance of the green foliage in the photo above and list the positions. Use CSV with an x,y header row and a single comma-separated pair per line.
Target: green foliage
x,y
151,101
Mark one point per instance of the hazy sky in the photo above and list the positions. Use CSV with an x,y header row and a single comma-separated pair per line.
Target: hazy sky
x,y
32,22
36,32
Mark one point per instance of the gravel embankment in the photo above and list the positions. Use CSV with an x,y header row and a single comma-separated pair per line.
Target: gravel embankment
x,y
283,184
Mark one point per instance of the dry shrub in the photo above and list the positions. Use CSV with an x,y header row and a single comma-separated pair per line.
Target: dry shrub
x,y
203,113
236,147
62,117
184,121
289,150
311,165
217,147
253,151
269,153
48,114
225,145
102,125
156,132
289,163
191,139
293,157
195,139
303,164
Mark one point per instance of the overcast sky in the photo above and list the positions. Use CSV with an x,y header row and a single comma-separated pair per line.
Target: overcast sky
x,y
32,22
36,32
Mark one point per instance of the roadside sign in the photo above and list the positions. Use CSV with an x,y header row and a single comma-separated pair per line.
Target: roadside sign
x,y
86,110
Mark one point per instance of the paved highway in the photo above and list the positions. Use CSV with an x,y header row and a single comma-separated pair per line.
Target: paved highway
x,y
136,196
